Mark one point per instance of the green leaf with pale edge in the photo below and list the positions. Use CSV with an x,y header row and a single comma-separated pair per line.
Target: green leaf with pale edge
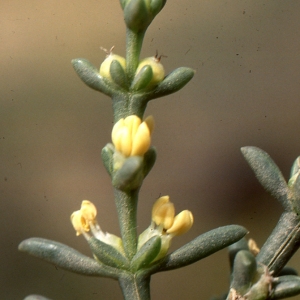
x,y
108,254
130,175
66,257
142,79
117,74
296,167
146,254
268,174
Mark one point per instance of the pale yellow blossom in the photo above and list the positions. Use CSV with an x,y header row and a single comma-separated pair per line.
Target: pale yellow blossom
x,y
131,136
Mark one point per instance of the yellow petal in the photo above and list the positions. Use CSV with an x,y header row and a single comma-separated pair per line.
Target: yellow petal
x,y
125,141
182,223
253,247
115,134
132,123
150,123
79,222
164,215
158,203
141,141
88,211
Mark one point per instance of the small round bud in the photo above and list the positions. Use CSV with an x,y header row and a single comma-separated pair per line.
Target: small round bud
x,y
105,66
158,71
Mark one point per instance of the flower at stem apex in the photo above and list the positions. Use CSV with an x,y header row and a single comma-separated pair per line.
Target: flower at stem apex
x,y
131,136
138,14
166,225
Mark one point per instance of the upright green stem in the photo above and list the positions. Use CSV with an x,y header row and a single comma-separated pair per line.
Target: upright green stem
x,y
125,105
126,203
134,42
283,242
135,287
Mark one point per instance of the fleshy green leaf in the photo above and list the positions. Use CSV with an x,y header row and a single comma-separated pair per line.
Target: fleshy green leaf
x,y
201,247
244,270
108,254
66,257
149,160
142,79
286,286
157,6
268,174
107,158
296,167
89,74
288,271
146,254
130,176
173,82
117,74
233,249
283,242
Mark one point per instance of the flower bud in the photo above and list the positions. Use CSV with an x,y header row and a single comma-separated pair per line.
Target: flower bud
x,y
158,71
105,68
131,137
138,14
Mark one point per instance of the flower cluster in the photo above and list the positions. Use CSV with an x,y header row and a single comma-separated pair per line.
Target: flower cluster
x,y
165,224
131,136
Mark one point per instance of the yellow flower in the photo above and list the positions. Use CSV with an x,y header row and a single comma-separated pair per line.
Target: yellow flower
x,y
84,220
88,210
131,136
163,214
166,225
79,223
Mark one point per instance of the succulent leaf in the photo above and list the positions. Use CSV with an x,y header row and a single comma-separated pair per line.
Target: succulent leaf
x,y
268,174
66,258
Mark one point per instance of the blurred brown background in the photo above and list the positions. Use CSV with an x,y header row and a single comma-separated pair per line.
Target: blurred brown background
x,y
53,127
